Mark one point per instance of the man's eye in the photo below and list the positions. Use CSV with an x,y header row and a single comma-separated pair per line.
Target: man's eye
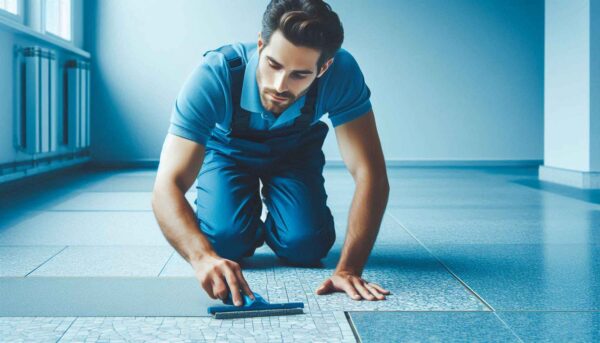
x,y
273,66
298,76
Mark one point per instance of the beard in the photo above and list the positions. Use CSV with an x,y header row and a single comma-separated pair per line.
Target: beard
x,y
277,107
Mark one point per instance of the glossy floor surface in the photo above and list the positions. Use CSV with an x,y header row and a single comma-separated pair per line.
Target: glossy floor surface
x,y
470,254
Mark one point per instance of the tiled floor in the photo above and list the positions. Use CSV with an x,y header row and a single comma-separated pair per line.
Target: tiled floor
x,y
470,254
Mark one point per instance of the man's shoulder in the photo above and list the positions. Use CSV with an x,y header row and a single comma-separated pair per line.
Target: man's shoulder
x,y
343,62
243,49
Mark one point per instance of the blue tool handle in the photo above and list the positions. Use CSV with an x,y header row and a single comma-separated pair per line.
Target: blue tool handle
x,y
246,298
259,303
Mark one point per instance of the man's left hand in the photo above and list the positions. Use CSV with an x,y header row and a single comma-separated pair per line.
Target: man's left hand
x,y
356,287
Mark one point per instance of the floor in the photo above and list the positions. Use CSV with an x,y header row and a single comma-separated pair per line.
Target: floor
x,y
470,254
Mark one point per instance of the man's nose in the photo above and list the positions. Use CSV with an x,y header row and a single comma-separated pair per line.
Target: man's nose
x,y
280,83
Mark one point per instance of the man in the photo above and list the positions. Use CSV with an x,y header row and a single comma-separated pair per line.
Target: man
x,y
249,113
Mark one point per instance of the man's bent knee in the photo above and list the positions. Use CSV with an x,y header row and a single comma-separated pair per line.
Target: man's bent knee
x,y
306,249
230,242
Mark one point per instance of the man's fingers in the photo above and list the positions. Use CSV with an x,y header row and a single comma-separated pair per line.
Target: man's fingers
x,y
326,287
235,288
364,292
349,288
374,291
219,288
244,284
378,287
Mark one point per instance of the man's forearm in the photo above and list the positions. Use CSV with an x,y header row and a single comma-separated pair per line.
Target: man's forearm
x,y
366,212
178,223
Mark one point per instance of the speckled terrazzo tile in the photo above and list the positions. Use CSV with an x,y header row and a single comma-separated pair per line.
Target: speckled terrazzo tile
x,y
532,277
297,328
33,329
112,201
85,228
431,327
106,261
554,326
390,232
21,260
416,280
518,226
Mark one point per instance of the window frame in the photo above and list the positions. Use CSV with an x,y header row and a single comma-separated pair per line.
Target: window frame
x,y
19,17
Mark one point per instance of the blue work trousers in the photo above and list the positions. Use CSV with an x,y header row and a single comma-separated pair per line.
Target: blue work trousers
x,y
299,226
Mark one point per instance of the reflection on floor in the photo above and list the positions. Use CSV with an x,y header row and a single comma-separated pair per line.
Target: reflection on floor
x,y
470,254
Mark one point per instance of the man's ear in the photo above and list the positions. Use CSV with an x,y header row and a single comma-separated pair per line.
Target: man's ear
x,y
325,66
260,42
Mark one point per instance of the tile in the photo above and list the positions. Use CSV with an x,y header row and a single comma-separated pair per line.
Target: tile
x,y
34,329
417,281
298,328
107,261
124,183
112,201
422,196
431,327
390,231
102,296
559,223
85,228
583,195
41,194
21,260
554,326
528,277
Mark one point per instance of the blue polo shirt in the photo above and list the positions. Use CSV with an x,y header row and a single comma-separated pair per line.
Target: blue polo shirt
x,y
204,102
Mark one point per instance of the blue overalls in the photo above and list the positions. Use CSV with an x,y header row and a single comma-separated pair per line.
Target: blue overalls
x,y
288,161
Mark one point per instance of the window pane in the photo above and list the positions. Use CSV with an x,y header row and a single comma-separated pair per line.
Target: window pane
x,y
9,5
58,18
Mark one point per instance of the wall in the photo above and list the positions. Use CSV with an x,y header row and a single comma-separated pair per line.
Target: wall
x,y
451,80
8,40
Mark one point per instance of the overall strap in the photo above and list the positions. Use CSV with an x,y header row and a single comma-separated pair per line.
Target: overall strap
x,y
308,111
240,117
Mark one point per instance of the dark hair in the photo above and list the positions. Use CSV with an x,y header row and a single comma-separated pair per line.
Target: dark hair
x,y
309,23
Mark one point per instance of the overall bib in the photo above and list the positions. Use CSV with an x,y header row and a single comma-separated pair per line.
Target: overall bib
x,y
289,162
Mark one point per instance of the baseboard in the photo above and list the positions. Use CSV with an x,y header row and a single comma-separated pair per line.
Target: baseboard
x,y
568,177
44,169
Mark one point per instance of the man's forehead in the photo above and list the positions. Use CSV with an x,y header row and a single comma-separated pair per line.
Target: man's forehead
x,y
290,56
298,70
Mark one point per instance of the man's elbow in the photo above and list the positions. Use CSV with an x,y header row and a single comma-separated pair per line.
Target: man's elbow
x,y
374,179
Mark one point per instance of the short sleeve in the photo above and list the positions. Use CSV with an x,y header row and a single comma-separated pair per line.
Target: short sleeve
x,y
201,101
347,95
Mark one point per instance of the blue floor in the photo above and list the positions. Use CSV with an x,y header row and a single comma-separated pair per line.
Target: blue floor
x,y
472,254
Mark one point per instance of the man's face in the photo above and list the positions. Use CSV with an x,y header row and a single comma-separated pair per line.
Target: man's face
x,y
285,72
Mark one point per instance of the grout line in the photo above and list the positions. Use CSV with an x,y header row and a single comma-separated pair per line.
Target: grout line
x,y
508,327
51,257
63,334
443,264
165,265
351,323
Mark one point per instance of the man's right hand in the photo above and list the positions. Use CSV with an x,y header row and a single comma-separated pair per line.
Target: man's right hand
x,y
218,276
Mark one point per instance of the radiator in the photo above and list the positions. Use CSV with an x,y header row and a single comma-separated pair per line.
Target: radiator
x,y
36,130
77,104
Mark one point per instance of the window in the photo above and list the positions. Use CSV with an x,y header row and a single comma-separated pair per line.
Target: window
x,y
9,6
58,18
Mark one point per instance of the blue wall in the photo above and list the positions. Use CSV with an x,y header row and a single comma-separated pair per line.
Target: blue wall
x,y
450,80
